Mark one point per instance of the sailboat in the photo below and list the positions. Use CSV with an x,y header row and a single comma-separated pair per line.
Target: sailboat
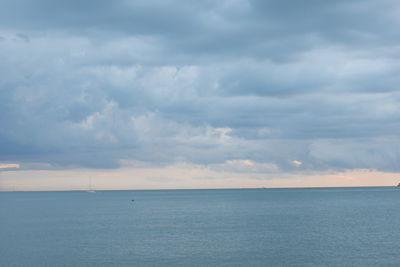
x,y
91,190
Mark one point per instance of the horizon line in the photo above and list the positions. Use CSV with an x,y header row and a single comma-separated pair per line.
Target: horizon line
x,y
211,188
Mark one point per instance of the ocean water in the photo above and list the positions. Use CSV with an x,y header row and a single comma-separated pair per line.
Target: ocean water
x,y
242,227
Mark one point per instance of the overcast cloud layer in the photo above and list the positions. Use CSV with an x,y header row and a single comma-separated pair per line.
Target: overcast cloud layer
x,y
275,85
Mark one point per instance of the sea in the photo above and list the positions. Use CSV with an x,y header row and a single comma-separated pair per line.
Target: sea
x,y
216,227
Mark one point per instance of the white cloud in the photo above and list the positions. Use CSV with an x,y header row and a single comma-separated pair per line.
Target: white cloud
x,y
9,166
296,163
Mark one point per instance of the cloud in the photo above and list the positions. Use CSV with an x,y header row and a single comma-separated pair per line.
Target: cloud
x,y
296,163
9,166
99,84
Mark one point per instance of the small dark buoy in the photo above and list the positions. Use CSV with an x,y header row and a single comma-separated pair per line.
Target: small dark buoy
x,y
132,200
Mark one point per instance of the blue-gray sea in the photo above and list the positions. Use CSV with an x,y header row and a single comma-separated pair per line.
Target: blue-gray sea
x,y
237,227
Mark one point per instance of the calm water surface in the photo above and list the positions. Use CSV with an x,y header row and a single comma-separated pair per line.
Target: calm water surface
x,y
245,227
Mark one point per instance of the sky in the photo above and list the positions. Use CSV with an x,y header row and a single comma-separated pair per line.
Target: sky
x,y
199,94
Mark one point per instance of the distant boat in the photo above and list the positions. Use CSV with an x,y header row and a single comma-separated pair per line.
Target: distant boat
x,y
91,190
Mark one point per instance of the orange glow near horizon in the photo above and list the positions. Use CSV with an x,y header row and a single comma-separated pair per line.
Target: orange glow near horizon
x,y
184,177
9,166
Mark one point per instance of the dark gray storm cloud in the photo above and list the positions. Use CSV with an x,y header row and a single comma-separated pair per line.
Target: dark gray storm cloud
x,y
91,83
